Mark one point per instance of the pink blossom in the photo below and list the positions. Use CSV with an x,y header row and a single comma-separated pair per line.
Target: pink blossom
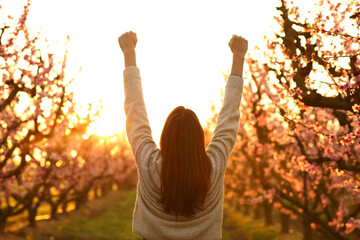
x,y
349,138
344,86
333,138
357,132
356,108
351,225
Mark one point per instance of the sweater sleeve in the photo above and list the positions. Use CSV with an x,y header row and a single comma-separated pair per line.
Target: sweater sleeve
x,y
227,124
137,124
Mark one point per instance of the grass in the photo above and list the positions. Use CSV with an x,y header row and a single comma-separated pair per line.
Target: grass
x,y
250,228
112,223
110,218
235,222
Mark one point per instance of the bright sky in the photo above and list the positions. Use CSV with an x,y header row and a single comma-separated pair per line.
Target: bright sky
x,y
182,49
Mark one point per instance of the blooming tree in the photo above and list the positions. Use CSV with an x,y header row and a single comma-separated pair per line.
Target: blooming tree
x,y
45,155
299,132
33,101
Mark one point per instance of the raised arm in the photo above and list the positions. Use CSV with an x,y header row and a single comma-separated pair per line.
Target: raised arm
x,y
137,124
227,123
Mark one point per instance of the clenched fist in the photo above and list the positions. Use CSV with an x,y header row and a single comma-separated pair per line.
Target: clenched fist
x,y
127,42
238,45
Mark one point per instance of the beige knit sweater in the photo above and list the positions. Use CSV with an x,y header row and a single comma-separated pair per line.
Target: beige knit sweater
x,y
149,220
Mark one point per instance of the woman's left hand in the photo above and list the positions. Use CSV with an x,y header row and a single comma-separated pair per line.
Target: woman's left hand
x,y
127,42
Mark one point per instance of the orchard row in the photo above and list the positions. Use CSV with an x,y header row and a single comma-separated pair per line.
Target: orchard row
x,y
46,156
299,139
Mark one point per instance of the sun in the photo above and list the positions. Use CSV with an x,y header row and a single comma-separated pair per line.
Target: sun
x,y
104,127
108,123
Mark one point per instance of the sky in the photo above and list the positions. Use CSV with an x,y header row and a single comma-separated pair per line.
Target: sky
x,y
182,49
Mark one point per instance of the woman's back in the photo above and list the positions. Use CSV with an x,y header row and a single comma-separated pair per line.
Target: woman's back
x,y
151,219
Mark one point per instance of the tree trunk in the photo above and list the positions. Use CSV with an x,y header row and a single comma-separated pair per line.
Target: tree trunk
x,y
307,230
105,188
257,211
64,206
306,222
53,211
32,212
268,213
2,223
285,223
246,208
81,199
238,206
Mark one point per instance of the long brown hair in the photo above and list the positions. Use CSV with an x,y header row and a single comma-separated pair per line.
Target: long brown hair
x,y
185,169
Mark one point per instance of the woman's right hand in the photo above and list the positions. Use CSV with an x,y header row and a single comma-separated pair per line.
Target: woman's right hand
x,y
238,45
127,42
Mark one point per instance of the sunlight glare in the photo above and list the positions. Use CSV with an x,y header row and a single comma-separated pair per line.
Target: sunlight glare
x,y
106,125
182,50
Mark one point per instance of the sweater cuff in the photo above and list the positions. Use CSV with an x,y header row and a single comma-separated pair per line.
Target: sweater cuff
x,y
130,72
236,75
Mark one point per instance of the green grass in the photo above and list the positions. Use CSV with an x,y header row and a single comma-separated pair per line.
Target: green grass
x,y
113,223
107,218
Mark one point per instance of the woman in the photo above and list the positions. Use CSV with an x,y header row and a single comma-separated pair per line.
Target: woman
x,y
180,188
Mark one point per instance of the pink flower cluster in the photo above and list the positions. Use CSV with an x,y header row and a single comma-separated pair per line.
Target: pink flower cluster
x,y
356,108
